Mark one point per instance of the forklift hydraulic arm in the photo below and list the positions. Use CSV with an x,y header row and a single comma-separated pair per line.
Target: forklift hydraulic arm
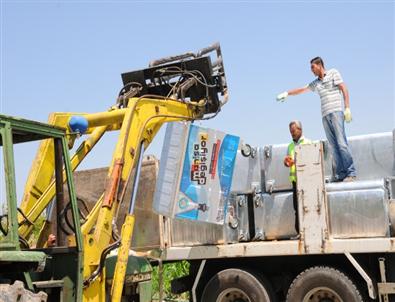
x,y
171,89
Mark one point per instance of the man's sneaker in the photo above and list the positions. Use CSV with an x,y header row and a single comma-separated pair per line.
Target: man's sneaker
x,y
349,179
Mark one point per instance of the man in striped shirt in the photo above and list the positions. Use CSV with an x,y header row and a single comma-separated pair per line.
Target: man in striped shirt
x,y
332,91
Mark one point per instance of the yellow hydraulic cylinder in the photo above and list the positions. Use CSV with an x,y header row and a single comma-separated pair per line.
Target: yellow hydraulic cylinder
x,y
122,261
105,118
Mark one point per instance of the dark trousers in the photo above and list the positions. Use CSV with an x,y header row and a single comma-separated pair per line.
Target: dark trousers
x,y
295,202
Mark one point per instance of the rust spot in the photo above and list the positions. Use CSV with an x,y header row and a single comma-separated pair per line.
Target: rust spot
x,y
392,241
132,152
300,247
112,184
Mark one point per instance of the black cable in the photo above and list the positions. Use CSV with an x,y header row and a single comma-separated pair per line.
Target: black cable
x,y
103,256
125,93
65,218
63,214
115,233
82,215
24,243
84,204
130,84
192,73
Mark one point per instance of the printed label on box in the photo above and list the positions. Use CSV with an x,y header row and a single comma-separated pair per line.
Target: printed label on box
x,y
206,175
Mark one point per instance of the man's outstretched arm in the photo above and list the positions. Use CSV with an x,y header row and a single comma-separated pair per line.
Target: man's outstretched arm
x,y
296,91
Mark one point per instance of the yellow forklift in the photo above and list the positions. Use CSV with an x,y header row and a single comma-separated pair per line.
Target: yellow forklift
x,y
79,254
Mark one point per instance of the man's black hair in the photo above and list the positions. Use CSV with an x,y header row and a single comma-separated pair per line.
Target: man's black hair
x,y
317,60
296,123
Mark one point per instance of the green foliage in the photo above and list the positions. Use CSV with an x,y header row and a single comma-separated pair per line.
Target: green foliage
x,y
170,271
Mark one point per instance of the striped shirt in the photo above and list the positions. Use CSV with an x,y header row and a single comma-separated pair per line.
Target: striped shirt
x,y
328,89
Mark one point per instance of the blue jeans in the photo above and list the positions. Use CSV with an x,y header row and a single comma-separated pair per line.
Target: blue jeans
x,y
338,145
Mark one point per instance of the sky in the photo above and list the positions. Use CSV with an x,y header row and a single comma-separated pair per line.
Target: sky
x,y
68,56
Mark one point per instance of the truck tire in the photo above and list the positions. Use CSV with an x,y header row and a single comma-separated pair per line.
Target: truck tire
x,y
323,284
236,285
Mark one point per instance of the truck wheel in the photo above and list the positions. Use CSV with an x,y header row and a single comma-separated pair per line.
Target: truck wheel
x,y
236,285
323,284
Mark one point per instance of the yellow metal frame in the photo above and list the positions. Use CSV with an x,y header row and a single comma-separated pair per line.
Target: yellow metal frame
x,y
138,124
